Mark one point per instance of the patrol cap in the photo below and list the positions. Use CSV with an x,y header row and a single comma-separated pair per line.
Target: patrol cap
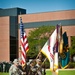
x,y
15,61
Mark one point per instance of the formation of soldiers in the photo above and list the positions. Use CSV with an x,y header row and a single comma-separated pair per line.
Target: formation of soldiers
x,y
4,66
31,68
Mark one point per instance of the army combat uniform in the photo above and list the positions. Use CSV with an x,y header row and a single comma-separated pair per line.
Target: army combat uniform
x,y
14,70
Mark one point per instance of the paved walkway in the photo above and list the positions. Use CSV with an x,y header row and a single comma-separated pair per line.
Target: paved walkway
x,y
53,73
62,69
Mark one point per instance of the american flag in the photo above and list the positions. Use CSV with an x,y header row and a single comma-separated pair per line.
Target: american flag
x,y
23,43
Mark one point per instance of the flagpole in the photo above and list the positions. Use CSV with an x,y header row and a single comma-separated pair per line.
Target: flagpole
x,y
38,54
19,44
23,42
55,70
44,65
42,62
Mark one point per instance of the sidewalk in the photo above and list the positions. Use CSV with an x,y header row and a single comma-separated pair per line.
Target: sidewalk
x,y
61,69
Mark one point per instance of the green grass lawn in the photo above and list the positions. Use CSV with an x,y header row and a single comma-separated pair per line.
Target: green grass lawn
x,y
48,73
4,74
67,72
63,72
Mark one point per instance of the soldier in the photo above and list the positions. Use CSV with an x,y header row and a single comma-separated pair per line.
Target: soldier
x,y
23,69
38,65
14,70
20,65
0,66
7,66
31,68
4,65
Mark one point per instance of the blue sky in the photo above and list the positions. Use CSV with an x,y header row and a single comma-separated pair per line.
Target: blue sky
x,y
35,6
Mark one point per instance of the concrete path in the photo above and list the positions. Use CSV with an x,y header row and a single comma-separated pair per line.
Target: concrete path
x,y
53,73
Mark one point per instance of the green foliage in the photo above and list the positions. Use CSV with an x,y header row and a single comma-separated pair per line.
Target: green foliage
x,y
47,64
72,52
72,48
73,40
72,65
37,39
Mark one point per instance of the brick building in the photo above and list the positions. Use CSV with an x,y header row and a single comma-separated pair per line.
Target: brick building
x,y
9,27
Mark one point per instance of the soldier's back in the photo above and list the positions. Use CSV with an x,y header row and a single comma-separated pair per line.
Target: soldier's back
x,y
14,70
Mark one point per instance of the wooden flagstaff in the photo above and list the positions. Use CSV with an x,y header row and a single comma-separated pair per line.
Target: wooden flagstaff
x,y
38,55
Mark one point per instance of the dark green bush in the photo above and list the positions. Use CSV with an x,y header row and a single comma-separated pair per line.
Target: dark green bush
x,y
71,65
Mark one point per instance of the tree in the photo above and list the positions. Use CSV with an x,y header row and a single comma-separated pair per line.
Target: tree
x,y
37,39
72,48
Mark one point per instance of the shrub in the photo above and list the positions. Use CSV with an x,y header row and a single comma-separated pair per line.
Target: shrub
x,y
71,65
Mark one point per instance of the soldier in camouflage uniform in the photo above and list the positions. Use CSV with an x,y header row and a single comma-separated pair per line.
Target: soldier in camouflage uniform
x,y
39,68
32,68
14,70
